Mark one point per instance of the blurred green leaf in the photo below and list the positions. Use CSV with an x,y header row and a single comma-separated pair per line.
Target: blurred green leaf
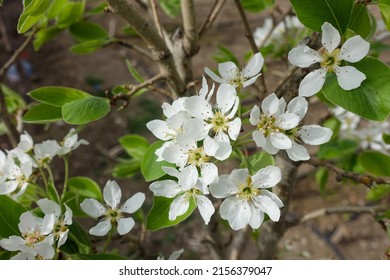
x,y
44,35
10,212
12,99
375,163
386,138
70,13
257,5
135,145
384,7
337,149
86,187
42,113
150,167
321,176
378,192
90,46
87,31
257,161
80,237
134,72
225,55
56,8
85,110
171,7
127,169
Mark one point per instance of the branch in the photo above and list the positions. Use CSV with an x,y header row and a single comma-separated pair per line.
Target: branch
x,y
215,9
238,243
364,179
149,34
136,48
156,19
190,41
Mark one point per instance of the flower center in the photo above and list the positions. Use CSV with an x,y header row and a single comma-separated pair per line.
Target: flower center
x,y
219,122
33,238
267,125
197,157
247,191
330,60
59,227
114,215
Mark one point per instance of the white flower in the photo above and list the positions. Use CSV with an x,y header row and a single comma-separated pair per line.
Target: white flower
x,y
348,77
36,241
70,143
14,177
230,74
112,215
280,130
370,137
45,151
219,119
26,143
349,121
247,198
60,229
189,186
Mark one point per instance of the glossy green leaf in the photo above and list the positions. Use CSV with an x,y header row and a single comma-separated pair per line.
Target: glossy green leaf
x,y
44,35
127,169
70,13
375,163
361,22
85,110
57,96
135,145
258,160
56,8
372,99
158,216
384,7
378,192
86,31
313,14
89,46
26,21
37,7
86,187
171,7
256,5
150,167
42,113
10,212
134,72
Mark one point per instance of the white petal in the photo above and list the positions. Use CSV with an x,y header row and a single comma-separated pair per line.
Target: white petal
x,y
159,129
133,203
28,223
223,188
199,108
269,147
166,188
298,106
93,207
257,217
176,254
281,107
175,154
250,81
205,207
224,150
270,105
112,194
188,177
315,134
267,177
349,77
48,224
63,237
101,228
259,138
254,118
209,172
44,250
228,70
226,97
12,243
330,37
197,129
239,177
171,171
280,141
287,121
303,56
254,66
273,196
239,212
24,256
312,83
125,225
298,152
234,128
177,121
49,207
178,207
213,76
354,49
268,206
68,215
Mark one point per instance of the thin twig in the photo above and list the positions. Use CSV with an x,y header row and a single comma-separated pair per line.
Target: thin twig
x,y
364,179
136,48
156,18
215,9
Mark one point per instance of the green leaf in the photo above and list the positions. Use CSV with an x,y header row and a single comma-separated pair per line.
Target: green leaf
x,y
372,99
99,257
150,167
384,7
85,187
259,160
386,138
378,192
100,8
85,110
43,113
256,5
171,7
33,11
57,96
361,22
158,216
44,35
70,13
78,235
12,99
376,163
337,149
334,124
10,212
25,22
87,31
89,46
127,169
56,8
37,7
134,72
313,14
322,176
135,145
225,55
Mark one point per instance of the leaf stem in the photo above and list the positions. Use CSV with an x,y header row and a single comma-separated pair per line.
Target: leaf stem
x,y
66,169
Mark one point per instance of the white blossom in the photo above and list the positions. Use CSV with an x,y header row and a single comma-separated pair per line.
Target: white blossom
x,y
46,151
36,241
247,198
14,176
330,58
111,215
189,186
70,143
230,74
371,136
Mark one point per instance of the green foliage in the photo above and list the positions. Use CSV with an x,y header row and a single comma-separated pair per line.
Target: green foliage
x,y
378,192
137,76
43,113
70,13
57,96
150,167
127,168
80,237
334,124
12,99
44,35
375,163
86,31
361,21
337,149
372,99
158,216
225,55
257,161
10,212
85,110
135,145
257,5
33,11
313,14
384,7
52,193
90,46
321,177
171,7
386,138
56,8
